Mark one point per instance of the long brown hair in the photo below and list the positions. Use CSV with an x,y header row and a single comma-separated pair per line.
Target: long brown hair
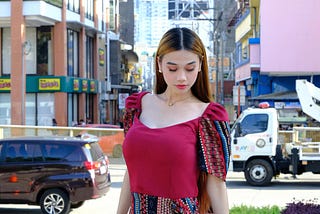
x,y
185,39
177,39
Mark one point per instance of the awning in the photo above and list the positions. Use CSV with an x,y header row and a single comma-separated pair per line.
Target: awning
x,y
287,95
78,25
130,55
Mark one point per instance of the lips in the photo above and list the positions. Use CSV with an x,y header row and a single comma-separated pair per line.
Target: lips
x,y
181,86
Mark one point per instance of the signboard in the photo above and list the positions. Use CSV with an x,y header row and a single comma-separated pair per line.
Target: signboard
x,y
52,84
122,100
5,84
235,91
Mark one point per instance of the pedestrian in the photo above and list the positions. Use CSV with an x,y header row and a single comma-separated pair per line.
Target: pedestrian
x,y
176,136
54,122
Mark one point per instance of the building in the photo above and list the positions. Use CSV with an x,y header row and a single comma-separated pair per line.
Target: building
x,y
276,43
55,60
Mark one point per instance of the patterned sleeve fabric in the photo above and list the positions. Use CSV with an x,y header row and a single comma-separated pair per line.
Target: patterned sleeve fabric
x,y
214,141
132,108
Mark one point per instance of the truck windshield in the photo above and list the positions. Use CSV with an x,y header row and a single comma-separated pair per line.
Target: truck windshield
x,y
254,123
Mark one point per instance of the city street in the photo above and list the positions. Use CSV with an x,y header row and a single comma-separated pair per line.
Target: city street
x,y
282,191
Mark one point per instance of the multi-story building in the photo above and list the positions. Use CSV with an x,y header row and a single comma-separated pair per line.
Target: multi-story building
x,y
151,21
55,61
276,43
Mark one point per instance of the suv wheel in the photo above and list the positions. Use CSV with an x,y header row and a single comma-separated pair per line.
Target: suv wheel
x,y
54,201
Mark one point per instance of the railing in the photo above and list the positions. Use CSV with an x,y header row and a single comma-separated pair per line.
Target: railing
x,y
7,131
307,139
110,139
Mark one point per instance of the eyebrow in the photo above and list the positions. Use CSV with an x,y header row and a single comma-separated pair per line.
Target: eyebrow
x,y
172,63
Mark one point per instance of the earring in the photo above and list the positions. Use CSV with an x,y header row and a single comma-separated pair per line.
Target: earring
x,y
160,71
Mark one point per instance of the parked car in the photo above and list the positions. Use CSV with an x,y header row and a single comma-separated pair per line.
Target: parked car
x,y
57,173
110,144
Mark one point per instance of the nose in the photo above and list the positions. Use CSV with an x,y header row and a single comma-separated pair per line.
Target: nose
x,y
181,75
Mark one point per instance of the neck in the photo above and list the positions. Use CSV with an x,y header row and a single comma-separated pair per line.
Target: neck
x,y
172,100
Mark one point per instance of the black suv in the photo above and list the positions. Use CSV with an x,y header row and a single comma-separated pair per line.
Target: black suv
x,y
57,173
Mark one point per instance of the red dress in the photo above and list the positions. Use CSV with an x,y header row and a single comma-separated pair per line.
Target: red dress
x,y
164,163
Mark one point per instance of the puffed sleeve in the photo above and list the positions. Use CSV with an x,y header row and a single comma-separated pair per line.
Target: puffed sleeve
x,y
214,141
132,109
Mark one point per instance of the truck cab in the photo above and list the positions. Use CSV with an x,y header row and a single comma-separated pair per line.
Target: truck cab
x,y
254,140
259,152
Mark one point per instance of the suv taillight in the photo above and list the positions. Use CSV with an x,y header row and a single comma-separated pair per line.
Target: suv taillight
x,y
92,165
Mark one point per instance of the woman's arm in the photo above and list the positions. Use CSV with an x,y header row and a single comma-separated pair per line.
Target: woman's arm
x,y
125,196
217,192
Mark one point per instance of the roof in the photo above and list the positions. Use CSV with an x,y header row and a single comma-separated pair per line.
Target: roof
x,y
287,95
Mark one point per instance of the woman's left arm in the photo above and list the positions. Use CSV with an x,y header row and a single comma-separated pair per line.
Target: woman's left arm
x,y
217,192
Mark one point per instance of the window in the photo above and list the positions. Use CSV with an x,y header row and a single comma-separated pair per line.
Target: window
x,y
111,15
63,152
17,152
5,109
239,53
89,58
39,109
89,9
6,51
44,51
89,106
73,103
73,5
73,53
254,124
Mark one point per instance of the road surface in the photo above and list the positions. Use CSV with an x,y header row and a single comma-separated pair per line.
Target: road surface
x,y
283,190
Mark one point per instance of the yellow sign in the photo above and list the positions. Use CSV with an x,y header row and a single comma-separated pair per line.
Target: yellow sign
x,y
49,84
5,84
84,85
101,57
76,85
92,86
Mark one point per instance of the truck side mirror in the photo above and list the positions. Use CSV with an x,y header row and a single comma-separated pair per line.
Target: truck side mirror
x,y
237,132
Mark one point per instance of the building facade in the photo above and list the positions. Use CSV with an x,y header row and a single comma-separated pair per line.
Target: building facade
x,y
55,60
276,43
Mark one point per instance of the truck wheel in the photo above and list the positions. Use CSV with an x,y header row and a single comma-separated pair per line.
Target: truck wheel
x,y
258,172
117,151
54,201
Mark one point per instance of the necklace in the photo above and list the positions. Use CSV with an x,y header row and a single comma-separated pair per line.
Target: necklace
x,y
171,103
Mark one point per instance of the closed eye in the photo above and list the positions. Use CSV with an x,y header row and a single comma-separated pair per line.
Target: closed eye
x,y
190,70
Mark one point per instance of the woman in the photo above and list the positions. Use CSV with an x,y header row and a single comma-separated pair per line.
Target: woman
x,y
177,140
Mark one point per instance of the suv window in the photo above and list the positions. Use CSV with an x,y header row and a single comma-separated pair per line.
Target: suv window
x,y
63,152
95,151
17,152
33,152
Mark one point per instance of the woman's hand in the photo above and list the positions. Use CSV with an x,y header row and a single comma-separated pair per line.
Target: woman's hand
x,y
125,196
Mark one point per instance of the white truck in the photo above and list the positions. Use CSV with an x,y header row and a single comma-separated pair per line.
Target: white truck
x,y
262,151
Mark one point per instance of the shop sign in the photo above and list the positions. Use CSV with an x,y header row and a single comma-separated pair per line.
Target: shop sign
x,y
46,84
92,86
101,57
76,85
84,85
5,84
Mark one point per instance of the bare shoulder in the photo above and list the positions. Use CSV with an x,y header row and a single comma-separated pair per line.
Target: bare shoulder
x,y
149,98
